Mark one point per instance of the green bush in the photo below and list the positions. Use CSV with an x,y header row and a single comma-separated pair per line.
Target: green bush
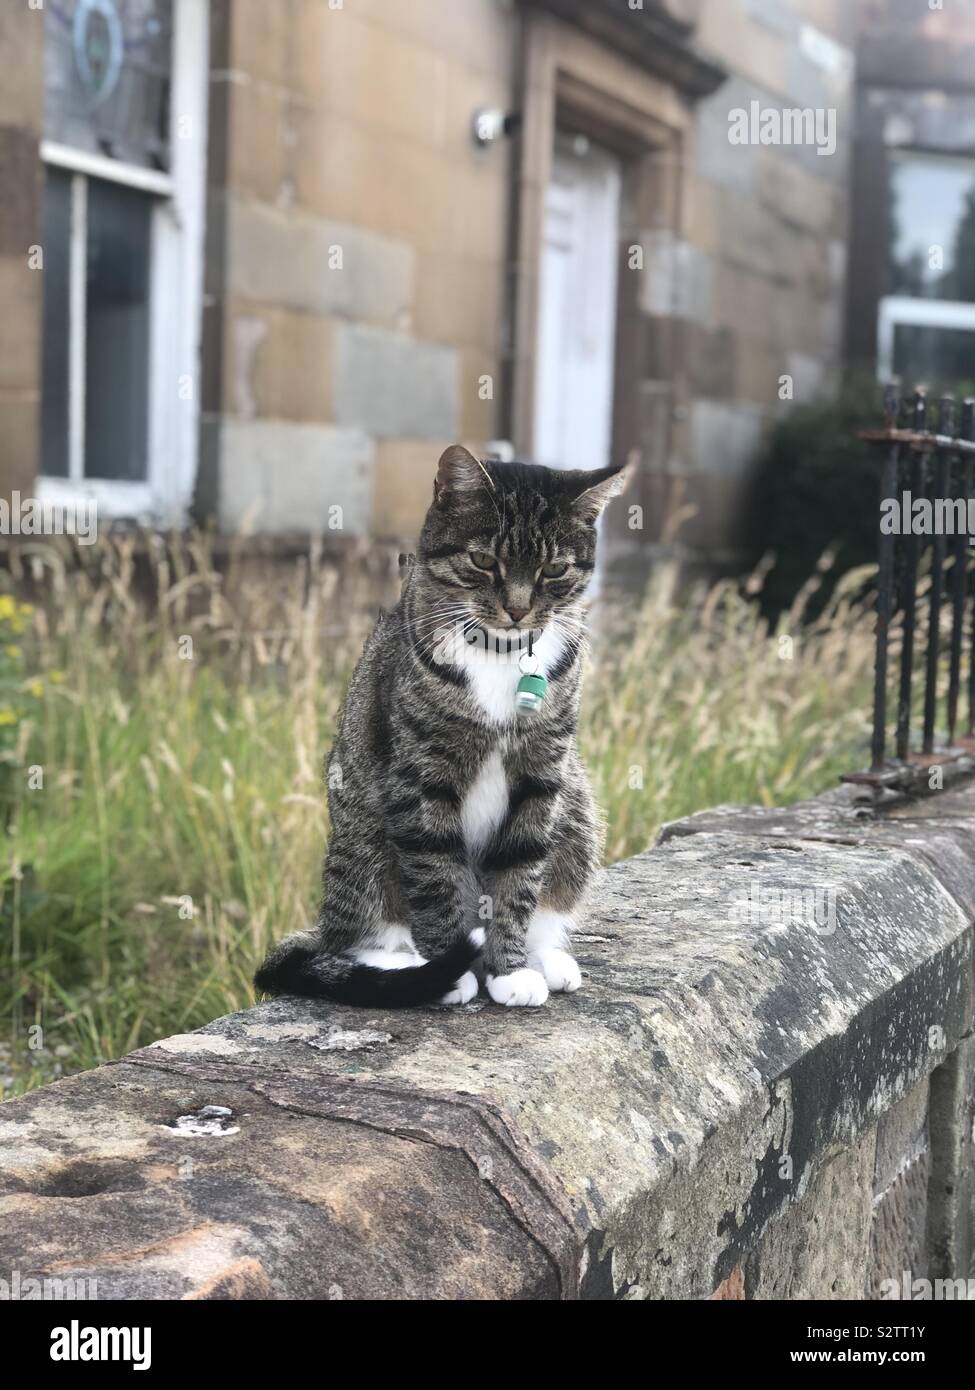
x,y
817,489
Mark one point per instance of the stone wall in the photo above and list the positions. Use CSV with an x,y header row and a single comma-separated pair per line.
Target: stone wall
x,y
764,1090
761,279
21,282
355,258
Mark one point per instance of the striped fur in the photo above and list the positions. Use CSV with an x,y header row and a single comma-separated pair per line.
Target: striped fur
x,y
449,812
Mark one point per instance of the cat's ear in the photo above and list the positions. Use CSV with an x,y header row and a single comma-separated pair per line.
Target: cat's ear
x,y
591,491
459,472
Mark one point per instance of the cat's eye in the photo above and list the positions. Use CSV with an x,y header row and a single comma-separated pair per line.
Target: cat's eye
x,y
555,569
481,560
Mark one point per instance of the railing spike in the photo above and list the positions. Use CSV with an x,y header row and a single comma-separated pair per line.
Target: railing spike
x,y
946,422
920,408
968,418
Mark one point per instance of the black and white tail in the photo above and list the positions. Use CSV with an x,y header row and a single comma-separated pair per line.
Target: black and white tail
x,y
297,965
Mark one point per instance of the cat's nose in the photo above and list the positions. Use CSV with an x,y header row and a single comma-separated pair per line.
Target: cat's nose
x,y
516,614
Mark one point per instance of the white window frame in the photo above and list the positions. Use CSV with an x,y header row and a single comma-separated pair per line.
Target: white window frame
x,y
177,230
897,310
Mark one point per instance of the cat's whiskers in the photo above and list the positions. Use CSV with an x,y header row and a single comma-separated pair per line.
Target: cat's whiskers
x,y
570,627
433,626
441,612
437,625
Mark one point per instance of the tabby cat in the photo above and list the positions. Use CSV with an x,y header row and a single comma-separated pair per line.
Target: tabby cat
x,y
463,828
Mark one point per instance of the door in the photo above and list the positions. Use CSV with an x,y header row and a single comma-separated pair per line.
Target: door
x,y
577,308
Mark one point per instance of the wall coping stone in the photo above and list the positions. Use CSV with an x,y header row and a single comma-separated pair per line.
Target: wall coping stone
x,y
622,1142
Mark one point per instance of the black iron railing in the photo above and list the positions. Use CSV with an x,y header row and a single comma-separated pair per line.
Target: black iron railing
x,y
926,495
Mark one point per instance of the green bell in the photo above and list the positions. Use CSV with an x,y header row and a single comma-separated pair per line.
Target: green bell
x,y
530,693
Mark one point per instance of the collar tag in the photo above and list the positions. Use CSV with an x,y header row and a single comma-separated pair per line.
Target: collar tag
x,y
532,686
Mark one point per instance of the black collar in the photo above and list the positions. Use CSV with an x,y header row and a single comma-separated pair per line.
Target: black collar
x,y
516,640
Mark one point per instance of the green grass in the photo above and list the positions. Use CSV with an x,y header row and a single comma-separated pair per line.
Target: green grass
x,y
180,821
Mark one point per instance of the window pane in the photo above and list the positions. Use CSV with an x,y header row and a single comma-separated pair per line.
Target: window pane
x,y
940,357
54,403
117,332
932,226
107,72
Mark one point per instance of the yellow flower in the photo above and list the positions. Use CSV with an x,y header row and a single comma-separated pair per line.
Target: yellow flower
x,y
7,607
8,716
35,688
13,651
56,677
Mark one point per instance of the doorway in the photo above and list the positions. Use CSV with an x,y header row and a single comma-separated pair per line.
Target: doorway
x,y
577,307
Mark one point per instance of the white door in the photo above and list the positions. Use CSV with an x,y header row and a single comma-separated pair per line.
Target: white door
x,y
577,309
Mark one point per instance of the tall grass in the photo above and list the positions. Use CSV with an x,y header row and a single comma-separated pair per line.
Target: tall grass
x,y
161,770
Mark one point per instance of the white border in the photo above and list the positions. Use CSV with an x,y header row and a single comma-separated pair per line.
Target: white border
x,y
77,325
113,498
98,166
185,216
897,309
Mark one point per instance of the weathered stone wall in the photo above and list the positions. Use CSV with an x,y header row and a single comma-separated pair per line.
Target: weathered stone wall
x,y
355,258
764,1090
21,282
761,278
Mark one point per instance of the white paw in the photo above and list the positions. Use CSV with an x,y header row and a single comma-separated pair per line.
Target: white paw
x,y
478,937
522,988
463,991
562,975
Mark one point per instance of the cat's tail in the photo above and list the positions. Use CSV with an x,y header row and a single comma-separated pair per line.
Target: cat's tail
x,y
298,965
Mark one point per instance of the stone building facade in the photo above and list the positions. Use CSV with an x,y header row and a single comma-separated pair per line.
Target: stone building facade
x,y
367,229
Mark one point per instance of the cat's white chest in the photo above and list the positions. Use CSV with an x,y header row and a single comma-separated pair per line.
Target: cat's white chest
x,y
494,688
493,680
485,805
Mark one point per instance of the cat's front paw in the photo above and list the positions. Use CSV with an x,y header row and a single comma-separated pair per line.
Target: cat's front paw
x,y
463,991
562,974
520,989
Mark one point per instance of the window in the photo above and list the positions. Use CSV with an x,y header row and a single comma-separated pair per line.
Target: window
x,y
123,233
97,238
927,323
108,77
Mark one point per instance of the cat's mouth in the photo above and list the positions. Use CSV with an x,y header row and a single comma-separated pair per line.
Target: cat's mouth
x,y
515,637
